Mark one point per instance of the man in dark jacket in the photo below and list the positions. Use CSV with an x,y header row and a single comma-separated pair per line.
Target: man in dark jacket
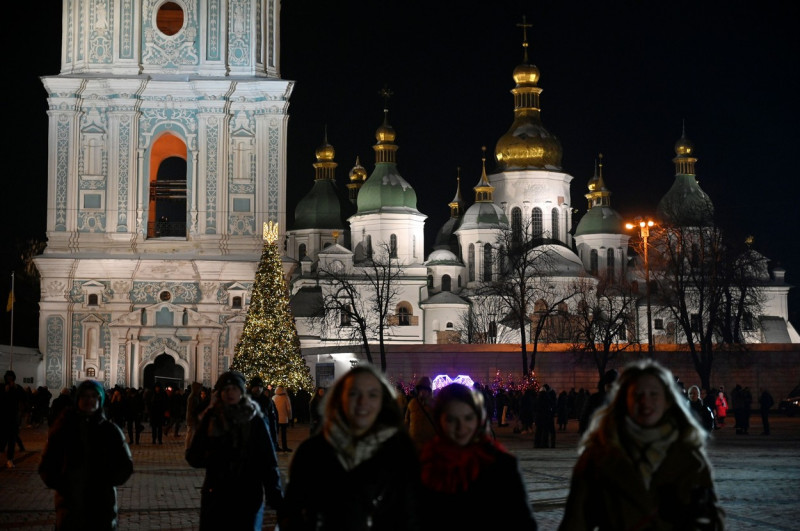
x,y
267,408
12,402
85,459
597,399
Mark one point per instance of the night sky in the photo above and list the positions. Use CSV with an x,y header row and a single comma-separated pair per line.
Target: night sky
x,y
618,78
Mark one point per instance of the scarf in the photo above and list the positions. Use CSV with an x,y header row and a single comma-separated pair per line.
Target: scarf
x,y
450,468
648,447
233,421
351,451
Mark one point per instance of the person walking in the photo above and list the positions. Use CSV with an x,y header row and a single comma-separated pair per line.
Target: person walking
x,y
12,405
157,408
702,412
262,398
232,442
765,402
315,410
642,462
360,471
419,414
466,474
84,460
722,408
283,405
596,400
194,407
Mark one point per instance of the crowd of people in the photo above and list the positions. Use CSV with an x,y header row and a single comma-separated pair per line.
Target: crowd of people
x,y
399,460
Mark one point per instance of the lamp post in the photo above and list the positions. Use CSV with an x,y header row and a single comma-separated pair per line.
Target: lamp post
x,y
644,231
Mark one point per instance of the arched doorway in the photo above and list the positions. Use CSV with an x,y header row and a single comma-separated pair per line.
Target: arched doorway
x,y
165,371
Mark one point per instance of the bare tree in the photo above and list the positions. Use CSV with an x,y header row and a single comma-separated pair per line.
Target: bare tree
x,y
525,269
708,285
604,319
479,324
359,300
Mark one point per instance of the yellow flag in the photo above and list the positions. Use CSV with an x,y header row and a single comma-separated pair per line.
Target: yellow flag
x,y
11,300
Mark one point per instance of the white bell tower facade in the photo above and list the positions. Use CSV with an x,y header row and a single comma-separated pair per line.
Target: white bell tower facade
x,y
166,155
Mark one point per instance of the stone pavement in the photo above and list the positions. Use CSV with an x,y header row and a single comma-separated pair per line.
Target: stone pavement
x,y
757,480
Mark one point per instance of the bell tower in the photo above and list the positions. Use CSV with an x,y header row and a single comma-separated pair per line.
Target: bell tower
x,y
166,155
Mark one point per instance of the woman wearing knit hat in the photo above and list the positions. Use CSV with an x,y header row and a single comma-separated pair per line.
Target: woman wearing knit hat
x,y
234,445
85,459
360,470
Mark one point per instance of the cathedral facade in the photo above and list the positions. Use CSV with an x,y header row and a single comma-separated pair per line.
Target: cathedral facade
x,y
442,297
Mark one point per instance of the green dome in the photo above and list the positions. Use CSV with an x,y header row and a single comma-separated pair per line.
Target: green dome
x,y
484,216
600,220
324,207
686,204
386,189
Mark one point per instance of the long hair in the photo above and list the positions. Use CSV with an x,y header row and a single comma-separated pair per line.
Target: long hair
x,y
456,392
608,420
389,414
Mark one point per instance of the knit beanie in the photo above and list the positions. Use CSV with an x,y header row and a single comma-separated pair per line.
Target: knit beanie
x,y
92,385
231,378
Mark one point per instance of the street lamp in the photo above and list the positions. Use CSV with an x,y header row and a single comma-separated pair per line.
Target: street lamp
x,y
644,231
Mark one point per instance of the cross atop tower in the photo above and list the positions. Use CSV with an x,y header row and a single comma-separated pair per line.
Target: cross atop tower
x,y
385,93
525,27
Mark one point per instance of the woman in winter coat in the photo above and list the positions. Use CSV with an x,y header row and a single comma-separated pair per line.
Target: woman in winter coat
x,y
642,463
463,470
283,405
232,442
85,459
722,409
703,414
360,471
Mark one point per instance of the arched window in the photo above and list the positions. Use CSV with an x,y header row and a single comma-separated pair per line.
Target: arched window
x,y
445,282
301,251
92,299
554,216
516,226
536,222
369,247
610,273
459,281
471,262
593,262
344,315
430,281
403,315
167,188
236,303
393,246
487,262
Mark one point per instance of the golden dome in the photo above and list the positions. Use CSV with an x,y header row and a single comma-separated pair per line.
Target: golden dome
x,y
325,152
683,147
527,144
358,173
526,74
385,134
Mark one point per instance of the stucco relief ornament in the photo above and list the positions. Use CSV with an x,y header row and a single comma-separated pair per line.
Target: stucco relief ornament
x,y
270,232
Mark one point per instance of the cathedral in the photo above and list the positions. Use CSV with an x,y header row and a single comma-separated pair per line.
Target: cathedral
x,y
166,155
338,236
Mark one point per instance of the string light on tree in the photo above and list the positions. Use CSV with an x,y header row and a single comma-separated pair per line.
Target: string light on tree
x,y
269,346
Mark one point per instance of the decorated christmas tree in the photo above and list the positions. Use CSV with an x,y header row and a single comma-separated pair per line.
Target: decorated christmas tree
x,y
269,347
